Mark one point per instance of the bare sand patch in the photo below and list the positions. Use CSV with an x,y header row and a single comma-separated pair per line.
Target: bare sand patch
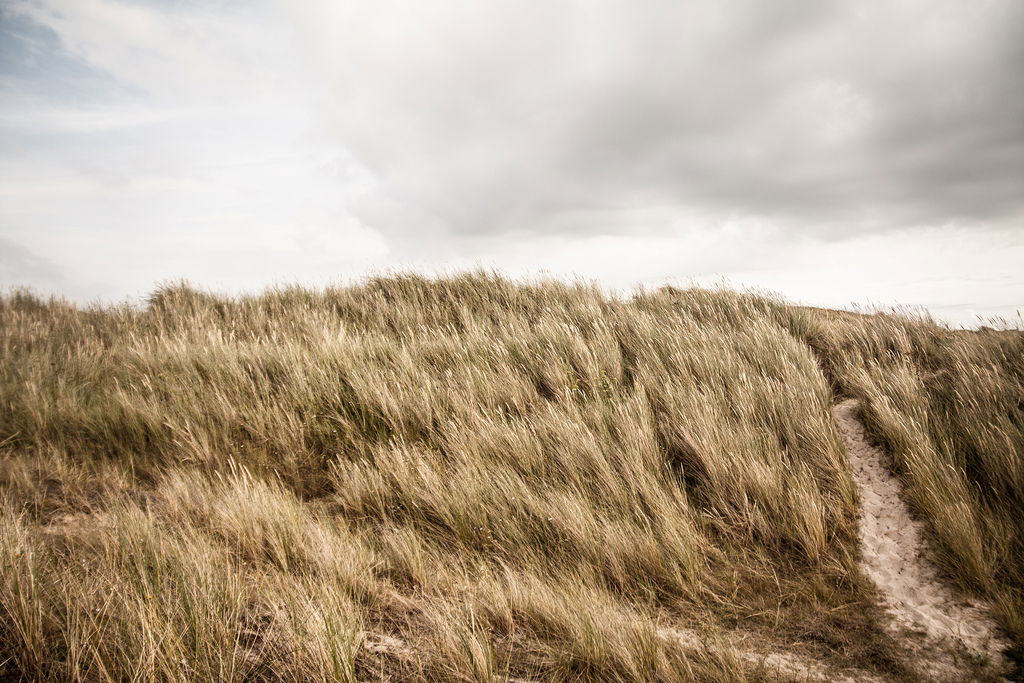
x,y
941,631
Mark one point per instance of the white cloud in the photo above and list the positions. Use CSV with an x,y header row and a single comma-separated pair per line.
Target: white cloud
x,y
240,143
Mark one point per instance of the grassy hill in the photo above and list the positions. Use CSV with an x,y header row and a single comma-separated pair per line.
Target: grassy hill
x,y
472,478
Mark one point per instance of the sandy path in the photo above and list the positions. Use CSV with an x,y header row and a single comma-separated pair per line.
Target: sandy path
x,y
916,599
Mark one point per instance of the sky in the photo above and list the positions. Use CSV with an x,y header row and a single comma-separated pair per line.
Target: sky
x,y
838,153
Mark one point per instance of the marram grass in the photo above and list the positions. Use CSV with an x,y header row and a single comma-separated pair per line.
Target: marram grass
x,y
471,478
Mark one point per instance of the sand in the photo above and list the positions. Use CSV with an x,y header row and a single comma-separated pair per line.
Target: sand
x,y
937,628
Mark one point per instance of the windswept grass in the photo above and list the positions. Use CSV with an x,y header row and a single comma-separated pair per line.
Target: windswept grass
x,y
949,405
465,478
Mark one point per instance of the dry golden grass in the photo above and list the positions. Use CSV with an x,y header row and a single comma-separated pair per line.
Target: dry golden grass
x,y
474,479
949,406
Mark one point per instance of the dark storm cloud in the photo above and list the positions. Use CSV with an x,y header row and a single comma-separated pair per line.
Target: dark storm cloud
x,y
854,114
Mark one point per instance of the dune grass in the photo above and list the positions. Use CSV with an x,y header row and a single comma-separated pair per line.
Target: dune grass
x,y
949,406
471,478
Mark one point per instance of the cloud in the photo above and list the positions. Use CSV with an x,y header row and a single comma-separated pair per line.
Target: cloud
x,y
504,116
877,115
20,265
692,138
